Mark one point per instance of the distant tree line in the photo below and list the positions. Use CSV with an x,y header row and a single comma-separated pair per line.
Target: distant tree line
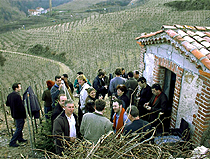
x,y
40,50
113,3
190,5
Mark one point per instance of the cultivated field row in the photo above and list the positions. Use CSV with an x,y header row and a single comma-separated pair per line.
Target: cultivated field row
x,y
29,70
103,40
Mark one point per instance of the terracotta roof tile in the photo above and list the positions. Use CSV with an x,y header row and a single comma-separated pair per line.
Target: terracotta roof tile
x,y
188,46
189,39
160,31
200,28
191,33
168,27
198,45
206,62
189,27
198,38
179,26
204,51
207,39
199,33
197,54
206,44
194,39
171,33
208,34
179,39
182,33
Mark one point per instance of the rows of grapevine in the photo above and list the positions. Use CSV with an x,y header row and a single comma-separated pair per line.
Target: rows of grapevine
x,y
29,70
103,40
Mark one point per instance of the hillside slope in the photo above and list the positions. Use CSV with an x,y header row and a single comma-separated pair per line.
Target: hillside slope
x,y
103,40
29,70
11,10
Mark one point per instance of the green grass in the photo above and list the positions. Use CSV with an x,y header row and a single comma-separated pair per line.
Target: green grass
x,y
28,70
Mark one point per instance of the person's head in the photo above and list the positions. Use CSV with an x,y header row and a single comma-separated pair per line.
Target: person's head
x,y
65,77
117,106
58,80
118,71
142,82
90,103
156,89
100,70
121,89
100,104
101,74
132,112
68,107
79,73
81,79
130,74
91,92
123,71
61,99
16,87
50,84
136,74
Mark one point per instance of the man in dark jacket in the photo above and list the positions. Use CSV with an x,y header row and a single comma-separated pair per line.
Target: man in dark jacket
x,y
138,125
59,107
65,77
99,85
65,126
56,90
144,96
18,112
157,104
131,85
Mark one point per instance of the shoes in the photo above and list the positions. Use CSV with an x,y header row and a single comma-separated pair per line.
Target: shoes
x,y
21,141
14,145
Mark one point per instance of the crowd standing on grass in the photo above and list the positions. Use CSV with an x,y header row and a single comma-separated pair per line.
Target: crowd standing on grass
x,y
130,98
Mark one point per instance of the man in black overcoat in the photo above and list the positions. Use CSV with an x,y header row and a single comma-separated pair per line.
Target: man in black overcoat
x,y
15,102
158,103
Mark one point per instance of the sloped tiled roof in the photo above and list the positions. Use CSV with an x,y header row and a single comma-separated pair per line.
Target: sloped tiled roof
x,y
192,41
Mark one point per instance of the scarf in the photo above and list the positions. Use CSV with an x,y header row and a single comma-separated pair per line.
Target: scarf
x,y
156,97
120,122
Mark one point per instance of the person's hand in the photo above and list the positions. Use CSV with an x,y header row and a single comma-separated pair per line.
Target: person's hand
x,y
148,107
145,105
72,139
60,86
161,113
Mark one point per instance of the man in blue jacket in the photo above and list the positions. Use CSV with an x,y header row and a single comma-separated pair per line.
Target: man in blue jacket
x,y
56,90
99,85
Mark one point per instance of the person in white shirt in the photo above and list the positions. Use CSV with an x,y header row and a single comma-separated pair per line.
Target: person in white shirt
x,y
65,126
82,96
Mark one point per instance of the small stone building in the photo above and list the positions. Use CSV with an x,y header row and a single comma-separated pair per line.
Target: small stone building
x,y
178,58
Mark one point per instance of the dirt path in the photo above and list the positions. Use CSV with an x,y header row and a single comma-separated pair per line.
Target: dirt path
x,y
63,67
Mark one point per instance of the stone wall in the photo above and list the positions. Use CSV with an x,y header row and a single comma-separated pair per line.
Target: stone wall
x,y
191,99
191,86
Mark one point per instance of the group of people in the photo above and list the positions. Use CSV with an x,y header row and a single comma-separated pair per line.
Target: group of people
x,y
131,98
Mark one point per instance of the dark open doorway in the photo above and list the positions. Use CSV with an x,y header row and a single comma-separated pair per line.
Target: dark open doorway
x,y
168,89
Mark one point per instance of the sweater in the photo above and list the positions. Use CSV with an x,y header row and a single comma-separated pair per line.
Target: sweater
x,y
94,125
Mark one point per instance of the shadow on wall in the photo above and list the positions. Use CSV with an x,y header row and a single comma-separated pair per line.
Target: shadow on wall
x,y
206,137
